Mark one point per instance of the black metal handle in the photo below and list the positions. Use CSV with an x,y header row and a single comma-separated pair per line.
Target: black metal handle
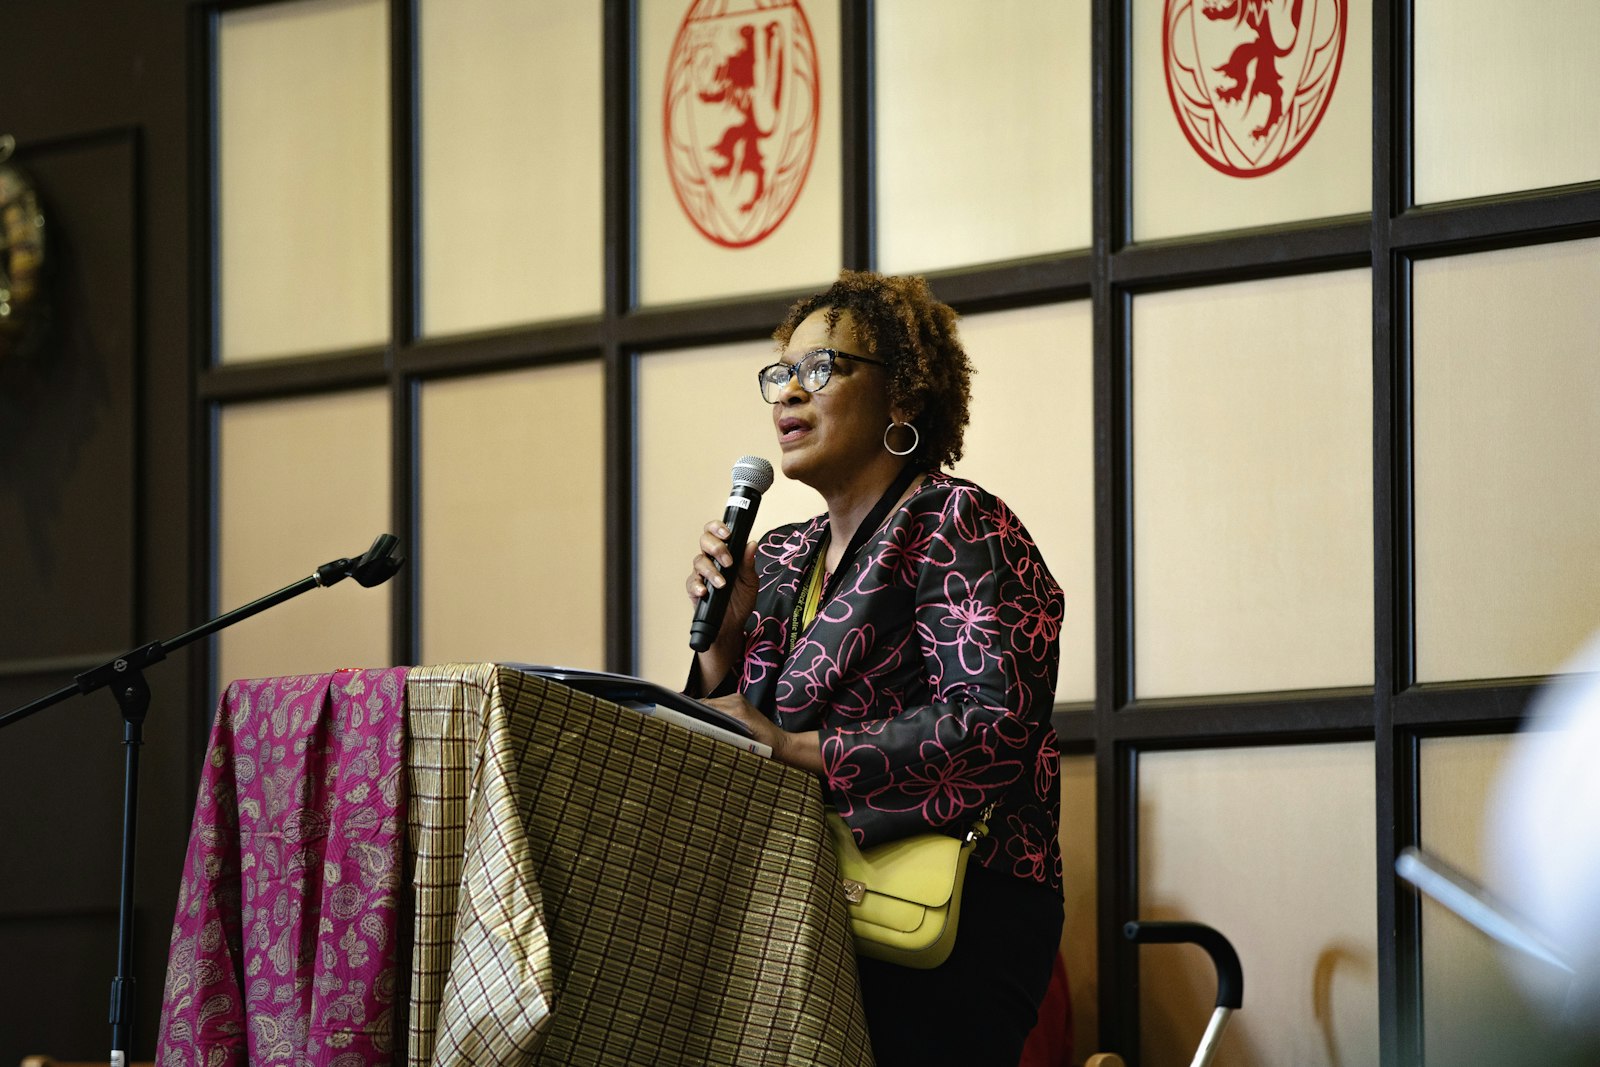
x,y
1230,976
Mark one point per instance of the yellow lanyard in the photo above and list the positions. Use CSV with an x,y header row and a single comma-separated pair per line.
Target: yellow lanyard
x,y
810,600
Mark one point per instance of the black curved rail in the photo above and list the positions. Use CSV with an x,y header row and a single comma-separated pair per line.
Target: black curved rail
x,y
1230,976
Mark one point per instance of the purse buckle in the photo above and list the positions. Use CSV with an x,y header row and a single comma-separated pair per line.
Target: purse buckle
x,y
980,826
854,892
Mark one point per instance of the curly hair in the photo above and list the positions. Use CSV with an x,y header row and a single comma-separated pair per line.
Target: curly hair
x,y
902,323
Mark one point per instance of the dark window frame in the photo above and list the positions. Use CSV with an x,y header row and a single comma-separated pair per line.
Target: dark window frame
x,y
1396,714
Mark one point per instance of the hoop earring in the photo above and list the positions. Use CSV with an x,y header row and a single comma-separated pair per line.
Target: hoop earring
x,y
916,437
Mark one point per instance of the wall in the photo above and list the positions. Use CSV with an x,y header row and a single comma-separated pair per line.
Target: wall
x,y
1306,444
96,492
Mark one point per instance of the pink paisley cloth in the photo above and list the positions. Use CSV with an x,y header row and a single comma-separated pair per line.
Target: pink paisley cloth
x,y
284,943
929,672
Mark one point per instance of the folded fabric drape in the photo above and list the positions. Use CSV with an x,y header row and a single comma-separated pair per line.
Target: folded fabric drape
x,y
482,981
283,945
690,893
589,884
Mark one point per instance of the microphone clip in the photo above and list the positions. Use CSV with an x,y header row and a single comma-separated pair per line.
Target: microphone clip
x,y
373,567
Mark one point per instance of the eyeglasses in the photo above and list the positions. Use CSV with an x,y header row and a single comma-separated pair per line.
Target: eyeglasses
x,y
813,369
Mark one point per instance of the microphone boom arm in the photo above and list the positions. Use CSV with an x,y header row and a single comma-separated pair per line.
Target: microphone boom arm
x,y
375,566
124,675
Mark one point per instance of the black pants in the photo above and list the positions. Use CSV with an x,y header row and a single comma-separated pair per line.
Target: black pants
x,y
977,1008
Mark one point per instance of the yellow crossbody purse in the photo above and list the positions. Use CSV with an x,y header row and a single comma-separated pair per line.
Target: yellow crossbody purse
x,y
904,896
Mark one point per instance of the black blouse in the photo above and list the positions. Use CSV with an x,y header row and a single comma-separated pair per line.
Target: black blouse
x,y
929,672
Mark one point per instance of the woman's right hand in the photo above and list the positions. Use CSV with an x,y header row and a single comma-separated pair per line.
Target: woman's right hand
x,y
707,571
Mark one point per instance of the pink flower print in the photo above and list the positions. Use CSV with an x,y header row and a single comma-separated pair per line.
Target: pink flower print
x,y
820,674
763,652
973,521
1027,849
781,563
878,659
788,586
946,785
1038,625
911,544
854,702
1005,732
835,610
855,694
863,579
857,643
1046,770
848,768
971,624
783,696
965,694
889,709
792,550
1008,527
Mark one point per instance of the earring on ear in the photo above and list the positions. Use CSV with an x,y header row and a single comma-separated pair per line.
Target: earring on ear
x,y
916,437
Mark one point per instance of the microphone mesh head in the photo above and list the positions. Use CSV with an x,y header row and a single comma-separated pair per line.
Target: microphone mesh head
x,y
754,472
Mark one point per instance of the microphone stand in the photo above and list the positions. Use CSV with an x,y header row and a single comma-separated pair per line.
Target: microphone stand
x,y
125,677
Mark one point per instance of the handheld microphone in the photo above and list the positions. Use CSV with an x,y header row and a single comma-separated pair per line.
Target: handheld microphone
x,y
752,476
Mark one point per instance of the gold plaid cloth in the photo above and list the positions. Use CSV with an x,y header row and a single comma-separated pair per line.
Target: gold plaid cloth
x,y
482,986
594,886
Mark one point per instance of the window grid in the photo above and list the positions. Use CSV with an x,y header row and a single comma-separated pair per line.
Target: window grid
x,y
1395,714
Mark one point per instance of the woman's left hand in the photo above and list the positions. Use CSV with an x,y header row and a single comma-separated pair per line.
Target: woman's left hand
x,y
803,750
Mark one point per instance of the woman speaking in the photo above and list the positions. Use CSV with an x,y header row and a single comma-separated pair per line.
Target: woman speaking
x,y
902,645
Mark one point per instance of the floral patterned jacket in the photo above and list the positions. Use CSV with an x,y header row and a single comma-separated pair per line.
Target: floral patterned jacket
x,y
929,672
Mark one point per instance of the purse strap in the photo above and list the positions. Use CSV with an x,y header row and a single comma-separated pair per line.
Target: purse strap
x,y
980,826
975,833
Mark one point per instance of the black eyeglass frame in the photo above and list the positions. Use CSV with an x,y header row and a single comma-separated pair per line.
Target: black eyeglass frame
x,y
793,370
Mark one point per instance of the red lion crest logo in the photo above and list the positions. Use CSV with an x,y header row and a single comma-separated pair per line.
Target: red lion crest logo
x,y
1250,79
740,115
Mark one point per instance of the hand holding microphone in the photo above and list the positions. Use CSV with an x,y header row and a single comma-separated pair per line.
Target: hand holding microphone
x,y
725,560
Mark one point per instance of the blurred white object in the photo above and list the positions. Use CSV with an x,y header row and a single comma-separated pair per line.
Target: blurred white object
x,y
1542,840
1476,905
